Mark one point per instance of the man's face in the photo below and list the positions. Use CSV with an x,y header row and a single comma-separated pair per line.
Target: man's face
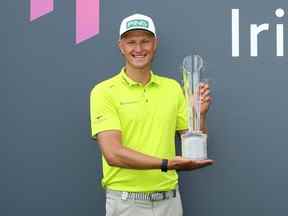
x,y
138,48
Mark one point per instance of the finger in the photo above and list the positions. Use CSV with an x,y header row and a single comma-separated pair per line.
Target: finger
x,y
204,86
205,162
205,102
194,164
205,94
200,162
207,99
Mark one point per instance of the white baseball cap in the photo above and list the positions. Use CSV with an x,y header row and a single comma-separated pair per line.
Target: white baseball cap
x,y
137,21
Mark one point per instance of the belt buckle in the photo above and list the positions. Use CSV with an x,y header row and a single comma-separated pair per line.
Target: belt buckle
x,y
124,195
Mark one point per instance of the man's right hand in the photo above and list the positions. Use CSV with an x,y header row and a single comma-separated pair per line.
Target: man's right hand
x,y
180,163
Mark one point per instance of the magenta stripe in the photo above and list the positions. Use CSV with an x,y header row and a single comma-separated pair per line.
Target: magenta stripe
x,y
87,19
39,8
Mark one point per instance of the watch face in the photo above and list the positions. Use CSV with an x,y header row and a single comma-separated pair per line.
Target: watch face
x,y
164,165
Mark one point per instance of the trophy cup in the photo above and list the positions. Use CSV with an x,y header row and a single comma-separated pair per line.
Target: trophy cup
x,y
194,142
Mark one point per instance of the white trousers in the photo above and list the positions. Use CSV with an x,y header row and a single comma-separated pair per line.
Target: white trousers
x,y
117,206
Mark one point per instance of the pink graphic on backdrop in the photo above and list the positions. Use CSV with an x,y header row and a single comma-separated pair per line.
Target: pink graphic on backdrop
x,y
87,19
87,16
40,8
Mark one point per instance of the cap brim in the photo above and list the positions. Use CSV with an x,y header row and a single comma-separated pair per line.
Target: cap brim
x,y
124,33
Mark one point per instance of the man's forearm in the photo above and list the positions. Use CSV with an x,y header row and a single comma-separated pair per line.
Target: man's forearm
x,y
203,126
117,154
131,159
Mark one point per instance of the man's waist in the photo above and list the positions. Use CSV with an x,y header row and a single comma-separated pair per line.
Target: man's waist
x,y
144,196
139,180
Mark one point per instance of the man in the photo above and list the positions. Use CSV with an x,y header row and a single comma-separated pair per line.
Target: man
x,y
134,117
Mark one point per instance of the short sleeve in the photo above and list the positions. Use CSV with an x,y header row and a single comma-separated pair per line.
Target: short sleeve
x,y
103,113
181,123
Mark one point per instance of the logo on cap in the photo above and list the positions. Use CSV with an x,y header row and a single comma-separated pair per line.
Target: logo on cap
x,y
137,23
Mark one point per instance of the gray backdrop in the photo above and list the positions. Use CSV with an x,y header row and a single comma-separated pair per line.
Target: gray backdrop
x,y
49,165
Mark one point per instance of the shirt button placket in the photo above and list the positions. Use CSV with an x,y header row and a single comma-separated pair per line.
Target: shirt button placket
x,y
145,95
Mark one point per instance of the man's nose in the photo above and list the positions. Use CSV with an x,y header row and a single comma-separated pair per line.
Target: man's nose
x,y
138,47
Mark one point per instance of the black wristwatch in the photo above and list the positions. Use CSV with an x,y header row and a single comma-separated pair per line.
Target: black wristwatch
x,y
164,165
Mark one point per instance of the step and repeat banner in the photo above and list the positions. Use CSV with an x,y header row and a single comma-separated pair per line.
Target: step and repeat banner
x,y
52,53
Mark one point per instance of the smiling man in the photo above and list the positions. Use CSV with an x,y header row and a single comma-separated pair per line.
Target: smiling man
x,y
134,118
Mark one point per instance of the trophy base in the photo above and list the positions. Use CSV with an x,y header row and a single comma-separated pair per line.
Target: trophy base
x,y
194,146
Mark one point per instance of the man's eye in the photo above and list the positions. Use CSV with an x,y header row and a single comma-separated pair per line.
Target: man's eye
x,y
131,42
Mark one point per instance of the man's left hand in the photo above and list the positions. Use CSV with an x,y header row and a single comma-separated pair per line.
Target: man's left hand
x,y
205,98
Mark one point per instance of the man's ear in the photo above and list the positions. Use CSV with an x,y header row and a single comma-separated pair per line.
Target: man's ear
x,y
120,47
156,42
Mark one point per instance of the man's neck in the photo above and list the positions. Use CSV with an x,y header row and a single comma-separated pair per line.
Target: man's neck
x,y
139,75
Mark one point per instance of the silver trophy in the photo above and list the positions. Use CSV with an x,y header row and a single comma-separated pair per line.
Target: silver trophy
x,y
194,142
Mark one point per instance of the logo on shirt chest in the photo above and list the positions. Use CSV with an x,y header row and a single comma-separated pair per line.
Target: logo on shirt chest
x,y
127,102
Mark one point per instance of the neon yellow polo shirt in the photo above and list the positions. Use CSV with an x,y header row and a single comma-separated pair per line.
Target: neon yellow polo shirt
x,y
148,117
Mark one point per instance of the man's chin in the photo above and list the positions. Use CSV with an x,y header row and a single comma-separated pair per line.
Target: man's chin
x,y
140,66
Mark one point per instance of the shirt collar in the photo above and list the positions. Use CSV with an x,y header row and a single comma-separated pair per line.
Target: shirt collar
x,y
130,82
